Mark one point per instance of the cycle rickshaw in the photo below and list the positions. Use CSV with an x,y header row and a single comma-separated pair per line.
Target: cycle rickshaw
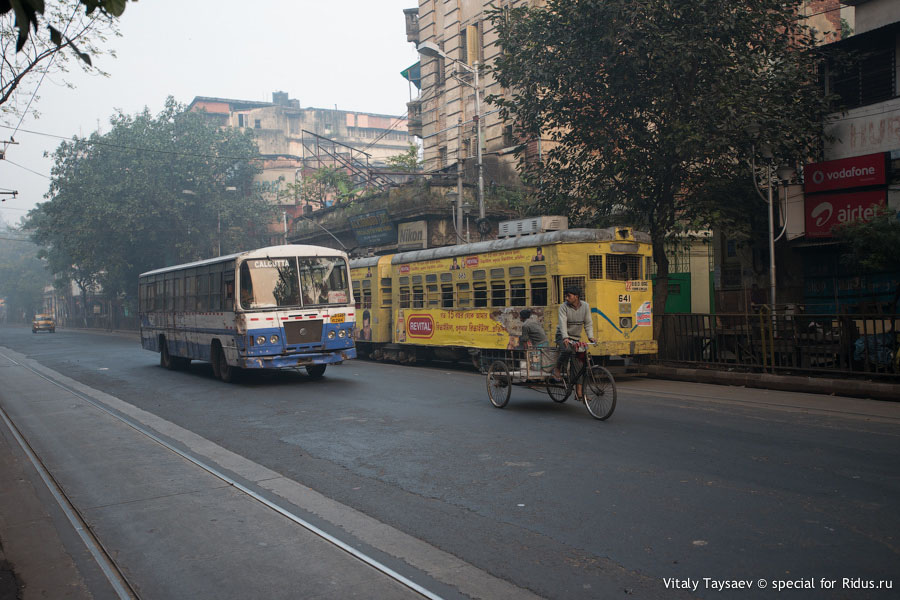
x,y
534,369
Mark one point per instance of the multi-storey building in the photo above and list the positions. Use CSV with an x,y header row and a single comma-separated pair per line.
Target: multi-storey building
x,y
444,114
296,140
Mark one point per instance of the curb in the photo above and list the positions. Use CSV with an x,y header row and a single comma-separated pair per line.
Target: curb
x,y
789,383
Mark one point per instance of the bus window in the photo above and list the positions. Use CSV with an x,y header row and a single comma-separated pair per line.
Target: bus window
x,y
229,289
498,293
404,297
446,295
170,294
480,294
179,293
203,292
463,295
160,300
517,292
215,290
418,297
539,292
385,291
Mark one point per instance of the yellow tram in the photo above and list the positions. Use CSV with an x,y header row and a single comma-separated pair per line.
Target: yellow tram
x,y
457,301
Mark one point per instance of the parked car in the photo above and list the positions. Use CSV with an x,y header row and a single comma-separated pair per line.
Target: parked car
x,y
43,323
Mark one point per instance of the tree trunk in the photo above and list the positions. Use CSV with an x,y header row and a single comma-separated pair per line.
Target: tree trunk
x,y
660,287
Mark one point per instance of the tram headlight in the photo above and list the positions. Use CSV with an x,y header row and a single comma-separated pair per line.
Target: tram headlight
x,y
625,322
260,340
331,334
342,333
273,339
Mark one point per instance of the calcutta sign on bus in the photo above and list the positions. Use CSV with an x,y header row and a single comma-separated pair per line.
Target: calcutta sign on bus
x,y
281,307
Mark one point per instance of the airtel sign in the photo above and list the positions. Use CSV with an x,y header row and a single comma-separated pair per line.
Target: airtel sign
x,y
826,211
859,171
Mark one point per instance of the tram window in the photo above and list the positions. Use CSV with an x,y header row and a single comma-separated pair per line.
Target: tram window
x,y
404,297
537,270
517,271
463,295
479,274
432,295
367,299
403,280
385,291
481,296
431,278
517,292
417,279
539,292
497,274
356,294
498,293
623,267
574,282
418,297
446,295
595,266
446,277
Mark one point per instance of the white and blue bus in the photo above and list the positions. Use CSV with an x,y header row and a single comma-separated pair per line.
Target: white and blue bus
x,y
281,307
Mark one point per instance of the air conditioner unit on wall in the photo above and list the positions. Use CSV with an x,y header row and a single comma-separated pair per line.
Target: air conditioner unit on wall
x,y
532,225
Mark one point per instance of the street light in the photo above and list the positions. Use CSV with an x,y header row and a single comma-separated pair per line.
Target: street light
x,y
431,49
784,173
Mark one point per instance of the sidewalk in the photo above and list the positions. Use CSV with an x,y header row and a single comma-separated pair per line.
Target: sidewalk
x,y
853,388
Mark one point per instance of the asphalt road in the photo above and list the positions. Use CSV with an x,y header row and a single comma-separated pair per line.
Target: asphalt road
x,y
686,485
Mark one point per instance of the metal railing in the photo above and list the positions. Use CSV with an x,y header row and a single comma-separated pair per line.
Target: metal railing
x,y
785,341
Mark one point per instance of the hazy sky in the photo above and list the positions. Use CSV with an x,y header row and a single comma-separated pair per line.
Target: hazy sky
x,y
347,53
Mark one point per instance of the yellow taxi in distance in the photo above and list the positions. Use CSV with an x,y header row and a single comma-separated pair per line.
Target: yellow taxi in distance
x,y
43,322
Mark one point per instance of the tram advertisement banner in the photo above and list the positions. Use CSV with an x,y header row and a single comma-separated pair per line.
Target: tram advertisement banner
x,y
476,261
479,327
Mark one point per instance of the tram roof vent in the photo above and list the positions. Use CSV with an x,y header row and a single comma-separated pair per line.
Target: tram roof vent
x,y
532,225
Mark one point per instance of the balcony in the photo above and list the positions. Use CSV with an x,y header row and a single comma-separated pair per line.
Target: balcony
x,y
412,24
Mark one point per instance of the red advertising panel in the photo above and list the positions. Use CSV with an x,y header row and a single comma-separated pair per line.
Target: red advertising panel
x,y
823,212
420,326
858,171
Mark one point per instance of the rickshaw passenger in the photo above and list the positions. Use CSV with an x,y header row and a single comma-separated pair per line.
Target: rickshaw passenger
x,y
574,313
533,335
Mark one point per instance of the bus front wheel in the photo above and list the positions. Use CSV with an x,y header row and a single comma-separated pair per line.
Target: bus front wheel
x,y
315,371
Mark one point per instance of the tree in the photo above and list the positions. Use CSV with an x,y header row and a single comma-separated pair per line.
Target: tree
x,y
23,275
408,161
154,191
323,185
871,246
647,105
60,32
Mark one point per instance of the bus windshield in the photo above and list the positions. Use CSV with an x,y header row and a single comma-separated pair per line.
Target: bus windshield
x,y
293,281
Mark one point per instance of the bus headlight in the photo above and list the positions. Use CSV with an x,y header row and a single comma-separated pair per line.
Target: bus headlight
x,y
331,334
342,333
273,339
260,340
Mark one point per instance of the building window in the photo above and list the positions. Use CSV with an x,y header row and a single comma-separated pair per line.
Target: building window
x,y
256,124
240,120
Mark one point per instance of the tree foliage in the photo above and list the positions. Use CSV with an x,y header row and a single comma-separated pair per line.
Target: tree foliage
x,y
646,105
327,184
872,246
23,275
408,161
39,38
154,191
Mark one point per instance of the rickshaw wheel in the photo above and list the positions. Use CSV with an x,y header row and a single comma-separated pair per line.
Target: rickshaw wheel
x,y
599,392
499,383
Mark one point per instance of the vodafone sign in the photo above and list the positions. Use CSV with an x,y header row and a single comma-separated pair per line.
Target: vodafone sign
x,y
858,171
420,326
823,212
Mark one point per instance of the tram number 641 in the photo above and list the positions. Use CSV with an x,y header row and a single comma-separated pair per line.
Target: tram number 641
x,y
624,297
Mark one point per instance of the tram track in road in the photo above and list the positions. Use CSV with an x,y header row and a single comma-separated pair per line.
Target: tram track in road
x,y
107,564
